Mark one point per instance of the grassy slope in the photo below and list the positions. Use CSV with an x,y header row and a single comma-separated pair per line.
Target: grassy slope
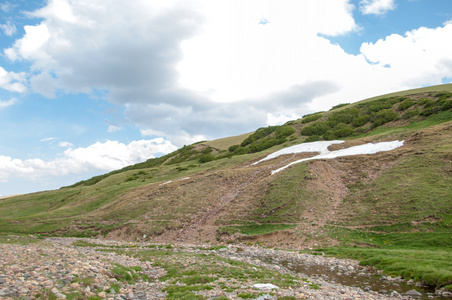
x,y
396,203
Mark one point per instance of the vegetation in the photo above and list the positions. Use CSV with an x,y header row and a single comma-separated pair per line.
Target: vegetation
x,y
400,200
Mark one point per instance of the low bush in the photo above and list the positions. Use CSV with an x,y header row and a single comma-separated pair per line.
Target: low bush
x,y
339,106
310,118
318,128
360,120
206,158
382,117
405,104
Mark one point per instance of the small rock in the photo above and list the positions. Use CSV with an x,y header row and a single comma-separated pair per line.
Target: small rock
x,y
413,293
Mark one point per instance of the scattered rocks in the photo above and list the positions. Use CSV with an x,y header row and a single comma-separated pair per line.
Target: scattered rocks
x,y
56,266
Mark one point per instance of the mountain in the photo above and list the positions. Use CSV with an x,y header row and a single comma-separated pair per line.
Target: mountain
x,y
210,191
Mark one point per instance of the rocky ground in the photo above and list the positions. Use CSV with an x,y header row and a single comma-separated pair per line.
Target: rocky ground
x,y
56,269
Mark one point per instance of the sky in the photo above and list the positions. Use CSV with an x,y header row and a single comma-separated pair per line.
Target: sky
x,y
90,86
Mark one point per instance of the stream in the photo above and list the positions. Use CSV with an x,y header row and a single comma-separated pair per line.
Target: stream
x,y
364,280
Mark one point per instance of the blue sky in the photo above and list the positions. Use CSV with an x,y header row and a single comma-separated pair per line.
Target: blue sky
x,y
87,87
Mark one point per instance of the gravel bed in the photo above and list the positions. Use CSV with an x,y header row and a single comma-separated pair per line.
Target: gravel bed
x,y
56,266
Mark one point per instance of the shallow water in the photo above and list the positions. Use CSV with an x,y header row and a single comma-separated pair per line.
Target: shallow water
x,y
365,281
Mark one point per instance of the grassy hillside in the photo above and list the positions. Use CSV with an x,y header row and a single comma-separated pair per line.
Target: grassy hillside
x,y
372,207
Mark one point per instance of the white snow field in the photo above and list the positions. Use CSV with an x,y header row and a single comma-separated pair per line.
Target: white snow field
x,y
322,148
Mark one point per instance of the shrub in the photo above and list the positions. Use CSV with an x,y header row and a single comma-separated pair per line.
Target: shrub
x,y
342,130
310,118
404,105
339,106
207,150
233,148
446,105
360,120
382,117
318,128
410,114
380,104
260,133
344,116
284,131
264,144
242,150
206,158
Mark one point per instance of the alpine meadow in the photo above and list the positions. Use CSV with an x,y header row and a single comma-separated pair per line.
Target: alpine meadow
x,y
391,210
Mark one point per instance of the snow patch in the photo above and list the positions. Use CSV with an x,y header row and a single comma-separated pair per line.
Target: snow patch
x,y
265,286
185,178
322,148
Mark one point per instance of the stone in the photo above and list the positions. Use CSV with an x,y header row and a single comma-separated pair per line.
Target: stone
x,y
75,286
413,293
102,295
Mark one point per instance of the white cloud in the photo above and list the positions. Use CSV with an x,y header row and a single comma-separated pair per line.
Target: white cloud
x,y
280,118
13,82
65,144
49,139
114,128
376,7
9,28
44,84
107,156
190,70
7,103
420,57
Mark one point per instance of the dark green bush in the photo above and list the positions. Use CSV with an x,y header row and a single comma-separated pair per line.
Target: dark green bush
x,y
207,150
260,133
310,118
206,158
284,131
446,105
342,130
404,105
410,114
344,116
318,128
233,148
382,117
360,120
339,106
380,104
242,150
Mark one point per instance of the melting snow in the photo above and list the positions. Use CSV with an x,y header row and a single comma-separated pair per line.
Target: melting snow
x,y
324,153
185,178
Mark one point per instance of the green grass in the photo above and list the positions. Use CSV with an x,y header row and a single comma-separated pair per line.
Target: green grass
x,y
431,266
203,272
129,274
255,229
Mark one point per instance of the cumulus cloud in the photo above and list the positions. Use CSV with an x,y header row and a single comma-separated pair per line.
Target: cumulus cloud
x,y
376,7
422,56
107,156
189,70
9,28
13,82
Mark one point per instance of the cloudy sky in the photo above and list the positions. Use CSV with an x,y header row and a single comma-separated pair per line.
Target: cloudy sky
x,y
89,86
